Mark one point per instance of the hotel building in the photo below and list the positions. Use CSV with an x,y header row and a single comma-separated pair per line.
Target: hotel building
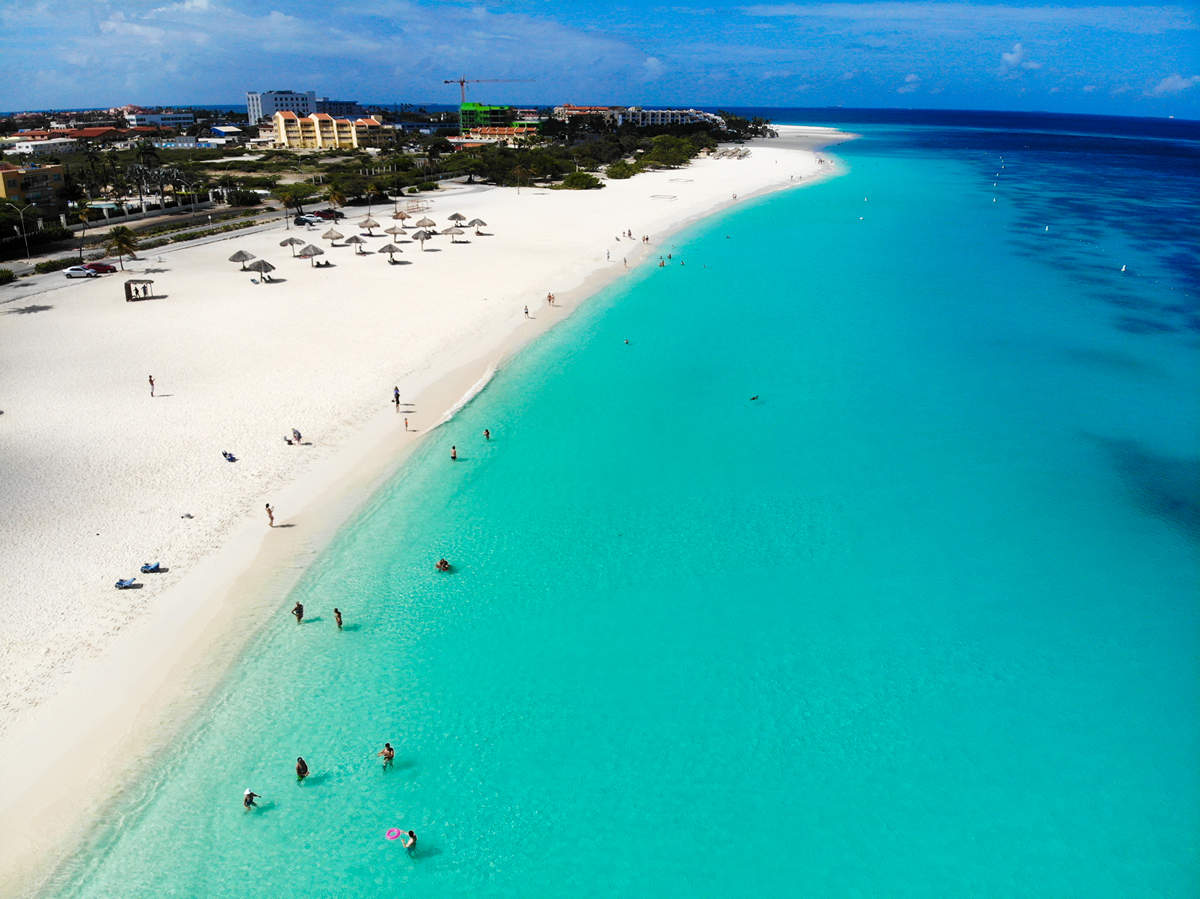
x,y
320,130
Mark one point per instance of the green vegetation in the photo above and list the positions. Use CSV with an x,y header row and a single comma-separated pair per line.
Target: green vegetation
x,y
54,265
6,275
242,198
581,181
294,195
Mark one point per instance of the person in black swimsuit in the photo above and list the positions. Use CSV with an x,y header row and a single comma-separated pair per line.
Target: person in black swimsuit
x,y
248,799
298,611
301,769
410,842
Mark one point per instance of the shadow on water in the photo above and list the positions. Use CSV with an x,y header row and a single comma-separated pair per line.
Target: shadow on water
x,y
423,852
1166,487
314,780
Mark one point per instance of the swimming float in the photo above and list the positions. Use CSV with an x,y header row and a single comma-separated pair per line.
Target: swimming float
x,y
394,834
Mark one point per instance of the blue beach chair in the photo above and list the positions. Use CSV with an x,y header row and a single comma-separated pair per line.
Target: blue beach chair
x,y
151,569
125,583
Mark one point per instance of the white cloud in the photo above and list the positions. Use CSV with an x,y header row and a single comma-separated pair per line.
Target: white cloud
x,y
1173,84
1088,88
911,83
1017,58
938,15
652,68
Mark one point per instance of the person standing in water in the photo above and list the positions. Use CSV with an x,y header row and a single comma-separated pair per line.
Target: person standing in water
x,y
388,754
301,768
487,434
453,453
337,616
248,798
298,611
410,842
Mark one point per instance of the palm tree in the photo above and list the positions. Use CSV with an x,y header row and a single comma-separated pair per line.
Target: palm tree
x,y
519,172
334,196
124,243
82,211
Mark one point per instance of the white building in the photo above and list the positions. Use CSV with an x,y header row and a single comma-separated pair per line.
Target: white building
x,y
42,147
180,120
635,115
264,104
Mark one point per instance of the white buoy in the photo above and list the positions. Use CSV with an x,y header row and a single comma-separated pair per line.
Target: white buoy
x,y
1047,227
860,218
993,199
1122,268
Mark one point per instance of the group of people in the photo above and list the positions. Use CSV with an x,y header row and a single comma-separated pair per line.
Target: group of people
x,y
645,238
298,611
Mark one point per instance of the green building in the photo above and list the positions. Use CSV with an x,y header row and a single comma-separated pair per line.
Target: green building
x,y
477,115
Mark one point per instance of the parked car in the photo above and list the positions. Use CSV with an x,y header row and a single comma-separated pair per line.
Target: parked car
x,y
308,219
80,271
100,268
330,214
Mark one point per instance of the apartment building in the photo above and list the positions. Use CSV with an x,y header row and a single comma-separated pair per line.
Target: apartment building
x,y
181,121
36,184
320,130
264,104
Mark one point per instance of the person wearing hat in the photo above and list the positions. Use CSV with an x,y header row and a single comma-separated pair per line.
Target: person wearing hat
x,y
248,798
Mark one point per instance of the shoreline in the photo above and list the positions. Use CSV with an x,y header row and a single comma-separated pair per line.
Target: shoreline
x,y
130,703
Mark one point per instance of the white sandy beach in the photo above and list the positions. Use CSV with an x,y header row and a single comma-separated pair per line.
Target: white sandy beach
x,y
99,477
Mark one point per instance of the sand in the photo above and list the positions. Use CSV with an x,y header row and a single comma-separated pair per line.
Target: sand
x,y
99,477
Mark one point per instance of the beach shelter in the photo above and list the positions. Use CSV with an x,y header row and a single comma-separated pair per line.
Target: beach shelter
x,y
477,224
395,230
292,242
310,252
390,249
332,235
369,223
426,223
401,217
138,289
453,232
241,256
357,241
422,236
262,267
457,217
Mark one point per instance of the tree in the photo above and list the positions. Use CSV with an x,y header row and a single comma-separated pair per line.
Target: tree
x,y
294,195
124,243
581,181
82,211
334,196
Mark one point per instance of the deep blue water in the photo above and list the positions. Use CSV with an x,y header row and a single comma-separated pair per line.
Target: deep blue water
x,y
919,620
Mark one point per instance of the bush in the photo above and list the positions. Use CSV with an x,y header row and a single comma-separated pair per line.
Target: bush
x,y
6,275
414,190
244,198
427,185
620,170
581,181
54,265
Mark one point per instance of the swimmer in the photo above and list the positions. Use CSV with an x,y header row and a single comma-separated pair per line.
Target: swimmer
x,y
301,769
410,842
248,799
753,398
487,435
337,616
443,565
453,453
298,611
387,753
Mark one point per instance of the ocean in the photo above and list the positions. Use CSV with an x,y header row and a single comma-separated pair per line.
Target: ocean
x,y
867,566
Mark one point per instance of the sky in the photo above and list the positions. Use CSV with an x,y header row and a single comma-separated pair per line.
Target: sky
x,y
1065,57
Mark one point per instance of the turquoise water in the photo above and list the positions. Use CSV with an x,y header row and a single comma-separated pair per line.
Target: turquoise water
x,y
920,620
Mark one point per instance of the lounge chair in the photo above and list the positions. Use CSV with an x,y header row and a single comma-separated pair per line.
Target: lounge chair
x,y
229,457
125,583
152,569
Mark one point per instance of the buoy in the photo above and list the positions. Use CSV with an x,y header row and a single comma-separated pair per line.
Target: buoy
x,y
1122,268
1047,227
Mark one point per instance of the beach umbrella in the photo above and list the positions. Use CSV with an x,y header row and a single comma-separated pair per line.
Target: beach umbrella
x,y
390,249
356,240
396,230
262,267
477,224
401,217
369,223
426,223
422,236
291,242
311,252
332,235
453,232
241,256
457,217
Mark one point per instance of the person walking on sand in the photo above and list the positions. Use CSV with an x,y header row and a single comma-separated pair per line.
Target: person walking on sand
x,y
406,422
453,453
270,516
301,768
396,396
527,312
337,616
248,798
388,754
152,385
298,611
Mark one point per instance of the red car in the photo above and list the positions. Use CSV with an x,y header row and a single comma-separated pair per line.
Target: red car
x,y
100,268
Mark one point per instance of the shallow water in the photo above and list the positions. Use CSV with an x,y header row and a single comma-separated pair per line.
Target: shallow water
x,y
921,619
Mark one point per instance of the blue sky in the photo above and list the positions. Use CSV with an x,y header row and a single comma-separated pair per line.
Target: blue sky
x,y
1073,57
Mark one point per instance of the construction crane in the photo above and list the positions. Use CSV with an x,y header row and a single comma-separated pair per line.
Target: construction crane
x,y
463,82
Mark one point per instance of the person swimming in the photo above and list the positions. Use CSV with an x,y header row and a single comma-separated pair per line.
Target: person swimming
x,y
337,616
301,768
248,798
387,753
442,565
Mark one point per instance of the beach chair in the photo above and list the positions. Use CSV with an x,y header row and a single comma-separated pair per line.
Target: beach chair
x,y
151,569
125,583
228,456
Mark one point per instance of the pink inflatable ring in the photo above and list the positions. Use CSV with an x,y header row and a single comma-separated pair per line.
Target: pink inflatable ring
x,y
394,834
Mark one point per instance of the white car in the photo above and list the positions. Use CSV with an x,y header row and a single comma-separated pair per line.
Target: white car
x,y
79,271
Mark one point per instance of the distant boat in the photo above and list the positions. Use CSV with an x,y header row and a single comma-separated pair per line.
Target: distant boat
x,y
1047,227
993,199
1122,268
